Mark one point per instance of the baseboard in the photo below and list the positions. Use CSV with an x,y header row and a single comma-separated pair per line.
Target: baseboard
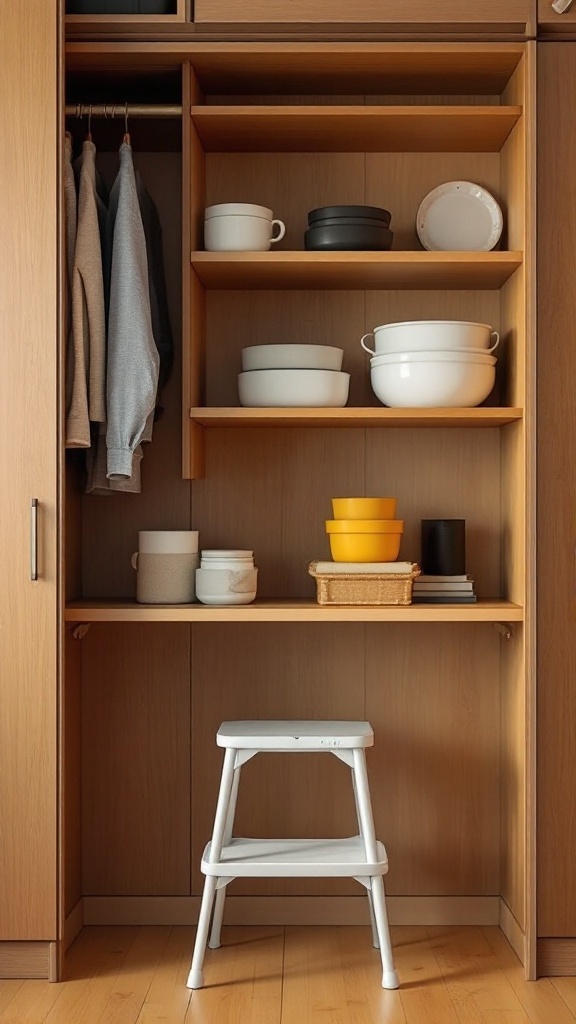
x,y
73,924
556,958
292,910
512,931
26,960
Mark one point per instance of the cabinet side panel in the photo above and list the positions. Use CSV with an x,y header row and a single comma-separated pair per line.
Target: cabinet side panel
x,y
28,466
136,759
556,755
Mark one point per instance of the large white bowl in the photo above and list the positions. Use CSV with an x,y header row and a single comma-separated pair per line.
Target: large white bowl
x,y
444,384
461,356
282,357
424,335
293,388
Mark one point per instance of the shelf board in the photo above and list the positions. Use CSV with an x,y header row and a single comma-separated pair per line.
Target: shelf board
x,y
373,417
362,270
354,129
290,611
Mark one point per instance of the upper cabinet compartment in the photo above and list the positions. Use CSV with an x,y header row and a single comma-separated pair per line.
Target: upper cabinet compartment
x,y
422,18
561,22
128,11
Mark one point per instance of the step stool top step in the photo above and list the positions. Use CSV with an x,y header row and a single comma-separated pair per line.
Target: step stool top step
x,y
288,735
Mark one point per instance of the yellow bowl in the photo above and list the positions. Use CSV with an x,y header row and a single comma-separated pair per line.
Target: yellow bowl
x,y
365,540
364,508
365,547
364,526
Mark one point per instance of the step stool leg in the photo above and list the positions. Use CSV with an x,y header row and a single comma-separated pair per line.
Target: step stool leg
x,y
196,976
389,976
375,941
214,942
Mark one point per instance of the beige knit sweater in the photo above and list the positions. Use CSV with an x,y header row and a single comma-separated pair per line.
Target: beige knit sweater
x,y
88,364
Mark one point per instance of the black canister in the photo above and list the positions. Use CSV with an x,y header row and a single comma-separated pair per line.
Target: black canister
x,y
443,547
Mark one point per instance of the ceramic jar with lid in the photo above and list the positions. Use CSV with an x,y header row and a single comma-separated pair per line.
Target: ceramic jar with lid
x,y
226,577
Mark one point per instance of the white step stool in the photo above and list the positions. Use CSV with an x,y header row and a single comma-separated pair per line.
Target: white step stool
x,y
360,857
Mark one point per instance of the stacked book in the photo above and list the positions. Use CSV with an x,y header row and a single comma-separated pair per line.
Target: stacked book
x,y
444,590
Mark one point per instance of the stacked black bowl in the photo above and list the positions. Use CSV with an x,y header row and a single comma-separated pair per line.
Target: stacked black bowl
x,y
348,228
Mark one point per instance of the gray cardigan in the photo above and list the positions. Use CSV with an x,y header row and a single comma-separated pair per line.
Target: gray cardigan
x,y
133,362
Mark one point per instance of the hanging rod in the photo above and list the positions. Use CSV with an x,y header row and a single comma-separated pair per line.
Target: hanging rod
x,y
120,110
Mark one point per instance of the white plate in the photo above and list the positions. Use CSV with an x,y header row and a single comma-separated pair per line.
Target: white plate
x,y
459,216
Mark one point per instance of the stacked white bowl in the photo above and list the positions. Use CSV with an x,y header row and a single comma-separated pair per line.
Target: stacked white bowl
x,y
226,577
432,363
292,376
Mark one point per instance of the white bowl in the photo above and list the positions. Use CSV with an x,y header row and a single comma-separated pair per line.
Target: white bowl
x,y
274,357
438,356
422,335
444,384
293,388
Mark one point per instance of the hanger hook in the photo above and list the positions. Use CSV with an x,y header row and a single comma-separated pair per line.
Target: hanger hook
x,y
105,111
90,121
126,117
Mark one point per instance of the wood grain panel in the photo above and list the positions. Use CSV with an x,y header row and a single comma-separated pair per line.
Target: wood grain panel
x,y
24,959
29,290
454,15
404,463
434,770
281,317
269,491
111,523
136,759
71,795
285,671
514,782
290,184
399,182
556,495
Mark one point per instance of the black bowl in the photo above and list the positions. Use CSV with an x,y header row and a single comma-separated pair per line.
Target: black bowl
x,y
362,222
348,237
328,212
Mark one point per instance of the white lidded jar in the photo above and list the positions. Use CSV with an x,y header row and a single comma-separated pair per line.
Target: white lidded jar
x,y
226,577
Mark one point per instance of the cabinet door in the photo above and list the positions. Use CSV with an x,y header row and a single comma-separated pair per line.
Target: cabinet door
x,y
28,466
399,16
556,756
550,23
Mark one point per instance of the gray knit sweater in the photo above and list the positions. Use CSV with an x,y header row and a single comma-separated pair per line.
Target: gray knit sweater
x,y
133,363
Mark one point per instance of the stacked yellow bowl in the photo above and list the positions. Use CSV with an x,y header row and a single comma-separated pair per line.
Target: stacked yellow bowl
x,y
364,530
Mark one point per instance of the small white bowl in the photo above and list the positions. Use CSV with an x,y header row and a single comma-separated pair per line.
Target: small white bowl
x,y
293,388
428,384
301,357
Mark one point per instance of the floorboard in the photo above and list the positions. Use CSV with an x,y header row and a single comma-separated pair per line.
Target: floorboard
x,y
291,975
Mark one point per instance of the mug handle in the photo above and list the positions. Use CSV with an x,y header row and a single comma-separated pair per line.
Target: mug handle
x,y
494,334
134,560
281,233
365,347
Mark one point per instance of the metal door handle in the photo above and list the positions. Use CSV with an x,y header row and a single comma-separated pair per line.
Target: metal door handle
x,y
560,6
34,539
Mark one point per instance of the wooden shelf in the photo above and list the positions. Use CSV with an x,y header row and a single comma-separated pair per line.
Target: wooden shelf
x,y
354,129
290,611
373,417
363,270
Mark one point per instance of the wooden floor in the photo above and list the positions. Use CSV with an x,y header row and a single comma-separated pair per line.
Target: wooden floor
x,y
291,976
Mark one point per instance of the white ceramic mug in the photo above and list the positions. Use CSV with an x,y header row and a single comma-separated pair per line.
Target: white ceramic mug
x,y
240,227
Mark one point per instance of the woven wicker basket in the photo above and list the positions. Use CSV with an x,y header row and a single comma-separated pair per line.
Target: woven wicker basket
x,y
364,588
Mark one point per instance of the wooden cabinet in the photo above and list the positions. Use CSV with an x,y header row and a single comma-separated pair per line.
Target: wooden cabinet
x,y
556,511
29,390
421,17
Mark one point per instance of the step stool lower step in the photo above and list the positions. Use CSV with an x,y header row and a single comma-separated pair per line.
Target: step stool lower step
x,y
295,858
